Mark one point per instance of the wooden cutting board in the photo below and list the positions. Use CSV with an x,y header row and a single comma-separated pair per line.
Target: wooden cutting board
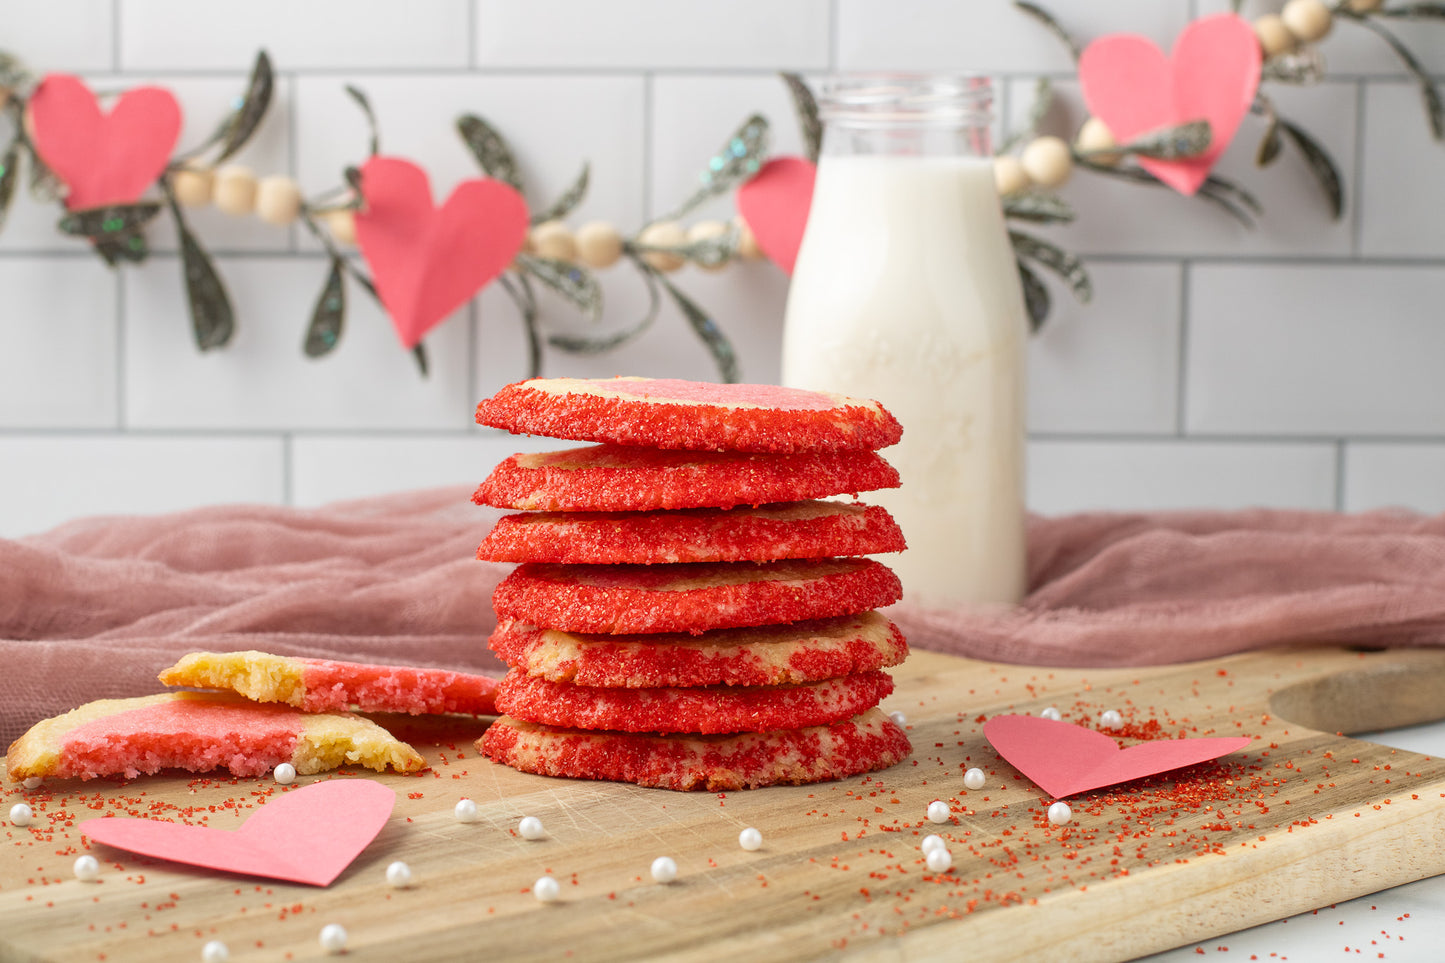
x,y
1303,818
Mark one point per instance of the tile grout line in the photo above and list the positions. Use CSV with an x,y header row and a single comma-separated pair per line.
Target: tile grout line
x,y
833,39
472,34
1181,393
1357,183
288,483
120,352
1340,475
115,8
647,145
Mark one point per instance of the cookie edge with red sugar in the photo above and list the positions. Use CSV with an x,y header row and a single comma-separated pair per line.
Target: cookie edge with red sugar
x,y
582,415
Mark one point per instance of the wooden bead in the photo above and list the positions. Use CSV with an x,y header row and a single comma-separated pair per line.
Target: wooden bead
x,y
599,245
192,186
1047,161
552,239
1009,176
663,234
234,190
1095,135
704,231
342,225
278,199
1274,37
1308,20
1364,6
748,248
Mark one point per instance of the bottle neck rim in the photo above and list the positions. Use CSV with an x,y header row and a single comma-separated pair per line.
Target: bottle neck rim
x,y
883,101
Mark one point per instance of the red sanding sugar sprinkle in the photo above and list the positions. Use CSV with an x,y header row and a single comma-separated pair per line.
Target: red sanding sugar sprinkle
x,y
715,763
692,598
614,478
708,710
811,529
668,413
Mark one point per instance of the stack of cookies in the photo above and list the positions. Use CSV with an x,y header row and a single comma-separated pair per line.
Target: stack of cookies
x,y
687,613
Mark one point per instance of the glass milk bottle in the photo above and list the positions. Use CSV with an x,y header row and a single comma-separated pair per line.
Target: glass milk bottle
x,y
906,291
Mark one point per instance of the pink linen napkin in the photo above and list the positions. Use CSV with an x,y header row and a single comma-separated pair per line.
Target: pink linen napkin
x,y
95,608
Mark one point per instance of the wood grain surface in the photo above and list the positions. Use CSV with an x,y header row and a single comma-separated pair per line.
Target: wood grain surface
x,y
1303,818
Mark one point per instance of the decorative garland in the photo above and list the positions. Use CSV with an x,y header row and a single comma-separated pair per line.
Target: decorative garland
x,y
1156,120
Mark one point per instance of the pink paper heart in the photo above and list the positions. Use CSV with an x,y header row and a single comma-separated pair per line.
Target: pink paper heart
x,y
103,158
1133,88
428,261
1065,759
774,204
308,835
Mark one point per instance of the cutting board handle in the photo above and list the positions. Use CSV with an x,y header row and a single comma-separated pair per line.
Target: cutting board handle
x,y
1389,689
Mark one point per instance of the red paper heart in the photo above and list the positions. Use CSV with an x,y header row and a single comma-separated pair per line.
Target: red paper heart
x,y
428,261
103,158
774,204
308,835
1133,88
1065,759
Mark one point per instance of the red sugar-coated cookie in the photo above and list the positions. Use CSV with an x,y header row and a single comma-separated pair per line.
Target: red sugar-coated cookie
x,y
757,655
324,685
613,478
716,763
668,413
706,710
691,598
813,529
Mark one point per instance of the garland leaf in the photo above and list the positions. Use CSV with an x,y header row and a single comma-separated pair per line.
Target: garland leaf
x,y
706,328
9,171
736,161
1170,143
490,150
526,300
328,317
571,281
806,107
212,319
238,128
1056,259
1434,108
577,344
1054,27
114,221
570,198
364,102
1321,166
1036,297
1038,208
1414,11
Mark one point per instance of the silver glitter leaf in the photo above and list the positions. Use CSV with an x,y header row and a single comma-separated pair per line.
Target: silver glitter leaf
x,y
806,107
526,301
1320,164
328,316
13,73
9,175
737,160
1414,11
418,353
1300,68
1056,259
571,281
374,138
1171,143
238,128
1038,208
1036,297
114,221
707,330
1038,110
577,344
1270,145
569,200
490,150
1434,109
711,252
212,319
1231,198
44,186
1053,26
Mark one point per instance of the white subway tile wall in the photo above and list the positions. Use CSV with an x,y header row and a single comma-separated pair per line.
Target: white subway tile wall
x,y
1296,363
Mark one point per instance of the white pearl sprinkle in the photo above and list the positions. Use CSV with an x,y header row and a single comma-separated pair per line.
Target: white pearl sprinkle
x,y
333,938
1060,813
398,875
547,890
531,828
664,870
931,842
974,779
33,782
938,811
284,773
87,869
215,952
898,718
21,814
1051,713
750,839
939,859
466,811
1110,719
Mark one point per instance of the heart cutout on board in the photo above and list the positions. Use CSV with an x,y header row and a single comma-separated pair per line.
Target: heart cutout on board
x,y
1065,759
427,261
308,835
103,157
1212,75
774,204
